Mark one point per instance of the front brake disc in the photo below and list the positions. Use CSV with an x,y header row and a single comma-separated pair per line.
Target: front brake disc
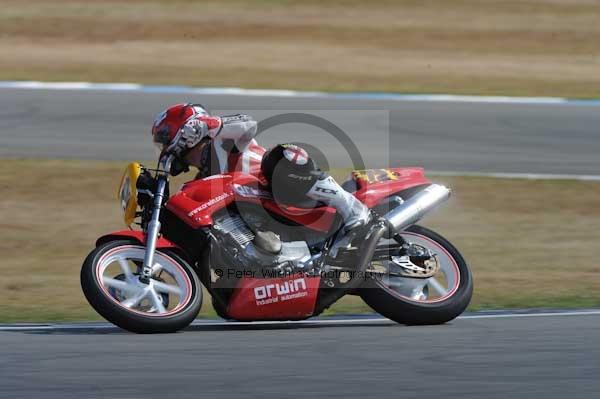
x,y
416,267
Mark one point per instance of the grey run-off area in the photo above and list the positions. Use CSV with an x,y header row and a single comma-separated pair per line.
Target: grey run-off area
x,y
441,136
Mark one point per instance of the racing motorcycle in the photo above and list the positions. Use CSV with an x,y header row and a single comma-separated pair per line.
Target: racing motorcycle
x,y
263,260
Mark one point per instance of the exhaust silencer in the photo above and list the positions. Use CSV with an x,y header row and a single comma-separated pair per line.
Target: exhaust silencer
x,y
414,208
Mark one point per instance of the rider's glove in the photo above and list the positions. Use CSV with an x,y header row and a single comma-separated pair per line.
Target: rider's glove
x,y
189,136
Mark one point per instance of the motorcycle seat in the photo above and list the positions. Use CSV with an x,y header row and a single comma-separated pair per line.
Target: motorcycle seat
x,y
350,185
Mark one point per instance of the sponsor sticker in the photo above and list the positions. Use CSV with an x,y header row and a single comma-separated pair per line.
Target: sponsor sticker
x,y
209,203
274,293
375,175
251,192
295,154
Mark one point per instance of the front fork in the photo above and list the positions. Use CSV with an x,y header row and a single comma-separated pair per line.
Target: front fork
x,y
153,229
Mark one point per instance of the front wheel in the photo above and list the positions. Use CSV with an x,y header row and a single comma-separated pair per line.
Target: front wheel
x,y
436,299
110,281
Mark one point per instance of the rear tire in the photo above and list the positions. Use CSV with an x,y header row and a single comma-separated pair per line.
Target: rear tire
x,y
413,312
110,308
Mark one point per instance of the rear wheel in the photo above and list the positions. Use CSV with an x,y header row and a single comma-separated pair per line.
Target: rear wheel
x,y
110,281
436,299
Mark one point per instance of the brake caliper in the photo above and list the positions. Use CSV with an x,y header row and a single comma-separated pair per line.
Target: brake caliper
x,y
417,262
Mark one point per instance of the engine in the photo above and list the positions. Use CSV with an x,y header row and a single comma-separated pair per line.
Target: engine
x,y
239,246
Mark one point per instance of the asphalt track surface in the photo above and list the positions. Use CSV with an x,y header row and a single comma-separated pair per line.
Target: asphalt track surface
x,y
441,136
550,356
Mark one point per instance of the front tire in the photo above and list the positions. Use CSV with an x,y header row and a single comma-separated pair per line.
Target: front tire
x,y
402,306
170,302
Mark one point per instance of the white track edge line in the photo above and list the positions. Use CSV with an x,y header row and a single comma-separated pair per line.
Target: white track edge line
x,y
519,176
333,321
541,314
236,91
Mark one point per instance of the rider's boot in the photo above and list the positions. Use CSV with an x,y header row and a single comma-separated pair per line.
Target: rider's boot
x,y
353,212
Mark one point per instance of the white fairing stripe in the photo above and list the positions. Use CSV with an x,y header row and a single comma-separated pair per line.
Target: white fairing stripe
x,y
247,157
246,162
255,156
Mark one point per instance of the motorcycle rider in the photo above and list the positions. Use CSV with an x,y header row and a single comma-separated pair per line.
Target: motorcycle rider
x,y
221,144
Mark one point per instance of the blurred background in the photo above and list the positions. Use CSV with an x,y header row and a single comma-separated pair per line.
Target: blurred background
x,y
528,47
531,242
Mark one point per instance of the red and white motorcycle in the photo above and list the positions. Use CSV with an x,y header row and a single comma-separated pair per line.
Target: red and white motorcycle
x,y
261,260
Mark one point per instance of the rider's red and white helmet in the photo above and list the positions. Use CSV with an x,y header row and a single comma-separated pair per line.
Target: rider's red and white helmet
x,y
168,123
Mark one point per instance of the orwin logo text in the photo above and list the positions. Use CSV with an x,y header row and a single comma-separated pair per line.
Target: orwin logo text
x,y
273,293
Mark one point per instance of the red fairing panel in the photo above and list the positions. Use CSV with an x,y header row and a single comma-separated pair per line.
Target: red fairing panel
x,y
286,298
376,184
198,200
137,235
320,219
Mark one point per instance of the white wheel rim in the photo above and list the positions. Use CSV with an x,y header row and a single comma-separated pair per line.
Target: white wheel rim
x,y
117,279
437,288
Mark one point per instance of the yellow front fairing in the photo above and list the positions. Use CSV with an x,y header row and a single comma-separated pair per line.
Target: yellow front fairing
x,y
127,194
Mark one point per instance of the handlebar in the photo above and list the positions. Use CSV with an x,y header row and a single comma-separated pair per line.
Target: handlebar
x,y
164,163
